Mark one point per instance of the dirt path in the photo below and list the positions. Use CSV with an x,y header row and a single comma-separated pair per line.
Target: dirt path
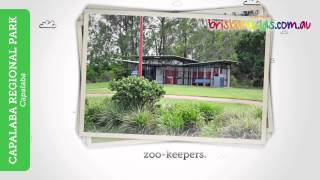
x,y
209,99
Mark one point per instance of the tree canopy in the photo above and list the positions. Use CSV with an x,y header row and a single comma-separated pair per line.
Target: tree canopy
x,y
114,37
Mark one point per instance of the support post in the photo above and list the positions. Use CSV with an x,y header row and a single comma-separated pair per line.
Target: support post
x,y
204,75
140,47
183,75
211,84
164,75
228,78
189,74
197,75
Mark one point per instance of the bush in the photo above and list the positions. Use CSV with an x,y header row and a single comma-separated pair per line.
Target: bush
x,y
213,115
92,115
139,122
106,72
91,74
181,118
234,81
174,118
211,129
111,118
241,125
136,93
171,122
106,76
192,117
210,112
258,113
118,71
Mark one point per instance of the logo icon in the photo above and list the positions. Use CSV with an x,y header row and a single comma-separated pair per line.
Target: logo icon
x,y
251,2
49,24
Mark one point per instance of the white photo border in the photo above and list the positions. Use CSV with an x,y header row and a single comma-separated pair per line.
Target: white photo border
x,y
167,137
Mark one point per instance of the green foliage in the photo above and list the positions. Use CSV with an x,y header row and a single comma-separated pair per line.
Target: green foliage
x,y
91,74
258,114
211,130
234,81
214,117
183,90
104,73
250,51
141,121
241,125
175,118
171,123
111,117
118,71
93,111
210,112
191,116
136,93
116,37
105,76
187,118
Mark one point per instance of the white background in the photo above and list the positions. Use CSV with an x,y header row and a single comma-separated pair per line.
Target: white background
x,y
58,153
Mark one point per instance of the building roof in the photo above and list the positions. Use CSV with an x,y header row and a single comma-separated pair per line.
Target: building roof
x,y
167,57
211,63
193,64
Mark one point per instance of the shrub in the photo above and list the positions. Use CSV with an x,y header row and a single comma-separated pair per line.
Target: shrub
x,y
213,117
136,93
234,81
91,74
211,129
241,125
111,117
139,122
106,71
258,113
192,117
181,118
119,71
174,118
171,122
210,112
106,76
92,115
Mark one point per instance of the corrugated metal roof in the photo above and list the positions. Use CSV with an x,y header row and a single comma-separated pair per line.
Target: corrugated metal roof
x,y
165,57
191,64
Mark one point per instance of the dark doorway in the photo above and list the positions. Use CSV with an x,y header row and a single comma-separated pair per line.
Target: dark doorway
x,y
149,72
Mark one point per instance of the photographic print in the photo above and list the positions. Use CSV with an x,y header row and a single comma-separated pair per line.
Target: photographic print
x,y
193,82
236,10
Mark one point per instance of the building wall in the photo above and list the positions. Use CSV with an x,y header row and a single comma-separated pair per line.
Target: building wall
x,y
159,75
180,75
224,74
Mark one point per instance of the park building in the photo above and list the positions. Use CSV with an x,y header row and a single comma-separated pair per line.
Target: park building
x,y
169,69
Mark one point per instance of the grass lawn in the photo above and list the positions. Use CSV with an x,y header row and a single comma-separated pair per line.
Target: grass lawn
x,y
234,93
187,90
233,107
230,107
97,88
